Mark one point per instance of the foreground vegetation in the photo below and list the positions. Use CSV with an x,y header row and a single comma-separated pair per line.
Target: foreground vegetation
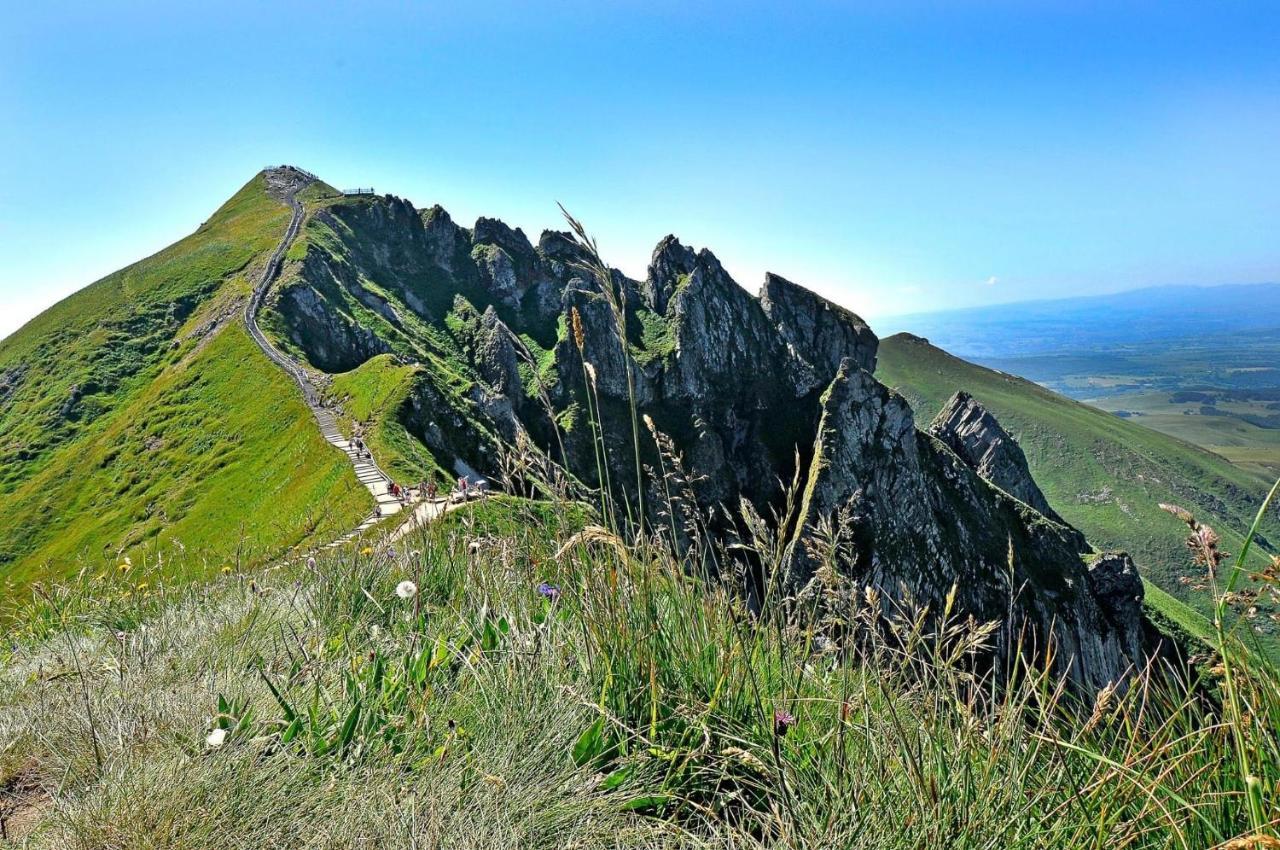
x,y
511,678
549,674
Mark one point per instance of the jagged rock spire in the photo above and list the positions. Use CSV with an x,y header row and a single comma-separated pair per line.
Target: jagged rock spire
x,y
973,433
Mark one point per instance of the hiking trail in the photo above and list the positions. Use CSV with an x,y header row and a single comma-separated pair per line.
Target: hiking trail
x,y
284,183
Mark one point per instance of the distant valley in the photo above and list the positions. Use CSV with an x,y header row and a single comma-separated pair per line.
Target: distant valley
x,y
1198,363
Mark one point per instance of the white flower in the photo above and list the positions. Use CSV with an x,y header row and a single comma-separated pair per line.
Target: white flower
x,y
216,738
406,590
374,631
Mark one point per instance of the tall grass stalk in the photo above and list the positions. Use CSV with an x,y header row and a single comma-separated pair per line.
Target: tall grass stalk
x,y
616,297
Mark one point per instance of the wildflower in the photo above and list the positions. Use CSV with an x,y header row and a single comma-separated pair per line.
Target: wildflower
x,y
311,563
226,569
123,567
549,591
366,551
406,589
142,585
216,738
783,720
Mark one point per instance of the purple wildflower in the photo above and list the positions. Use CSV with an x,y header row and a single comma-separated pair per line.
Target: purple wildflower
x,y
782,721
549,591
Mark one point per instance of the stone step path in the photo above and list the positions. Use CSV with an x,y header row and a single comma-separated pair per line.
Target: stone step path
x,y
286,183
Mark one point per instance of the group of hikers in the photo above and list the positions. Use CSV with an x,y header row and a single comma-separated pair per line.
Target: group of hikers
x,y
426,489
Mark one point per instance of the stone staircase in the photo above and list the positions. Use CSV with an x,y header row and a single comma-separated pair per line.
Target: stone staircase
x,y
285,183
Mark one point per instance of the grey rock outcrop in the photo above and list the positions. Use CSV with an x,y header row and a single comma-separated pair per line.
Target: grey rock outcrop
x,y
923,522
975,435
747,388
496,359
820,333
332,341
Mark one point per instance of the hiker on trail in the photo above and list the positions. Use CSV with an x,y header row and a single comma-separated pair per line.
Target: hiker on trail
x,y
431,490
462,485
377,510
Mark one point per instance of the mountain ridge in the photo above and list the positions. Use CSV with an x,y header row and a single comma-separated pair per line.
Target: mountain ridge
x,y
544,351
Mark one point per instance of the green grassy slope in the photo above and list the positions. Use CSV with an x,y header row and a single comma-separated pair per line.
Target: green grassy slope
x,y
110,337
373,394
1104,474
180,431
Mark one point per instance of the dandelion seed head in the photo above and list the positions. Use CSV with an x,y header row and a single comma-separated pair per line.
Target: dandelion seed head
x,y
406,589
216,738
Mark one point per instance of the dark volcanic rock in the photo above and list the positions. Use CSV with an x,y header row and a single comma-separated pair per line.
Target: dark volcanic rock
x,y
1115,583
820,333
747,388
495,357
924,522
332,341
669,267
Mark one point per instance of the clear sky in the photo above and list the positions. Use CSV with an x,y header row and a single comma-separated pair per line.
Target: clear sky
x,y
897,156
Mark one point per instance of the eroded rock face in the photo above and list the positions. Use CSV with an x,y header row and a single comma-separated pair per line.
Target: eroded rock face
x,y
975,435
331,340
818,332
924,521
496,359
746,387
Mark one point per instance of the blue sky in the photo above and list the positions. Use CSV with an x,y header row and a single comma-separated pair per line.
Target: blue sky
x,y
896,156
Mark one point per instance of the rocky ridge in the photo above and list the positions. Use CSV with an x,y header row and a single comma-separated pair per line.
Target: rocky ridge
x,y
748,388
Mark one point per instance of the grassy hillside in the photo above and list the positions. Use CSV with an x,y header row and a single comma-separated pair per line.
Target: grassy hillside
x,y
537,688
1104,474
372,395
1245,432
140,419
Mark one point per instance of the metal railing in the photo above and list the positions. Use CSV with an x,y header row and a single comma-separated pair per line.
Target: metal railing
x,y
359,191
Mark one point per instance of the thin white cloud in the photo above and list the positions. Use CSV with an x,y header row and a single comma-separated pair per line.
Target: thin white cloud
x,y
993,280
